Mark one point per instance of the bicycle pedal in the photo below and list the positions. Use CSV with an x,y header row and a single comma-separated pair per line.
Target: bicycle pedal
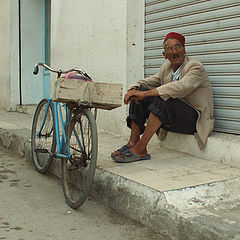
x,y
40,150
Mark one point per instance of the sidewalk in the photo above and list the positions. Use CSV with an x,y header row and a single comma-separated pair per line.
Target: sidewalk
x,y
177,195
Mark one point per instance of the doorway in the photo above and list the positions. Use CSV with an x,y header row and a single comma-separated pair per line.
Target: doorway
x,y
35,30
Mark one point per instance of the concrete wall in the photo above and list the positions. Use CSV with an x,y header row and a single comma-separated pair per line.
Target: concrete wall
x,y
104,38
14,55
5,55
9,45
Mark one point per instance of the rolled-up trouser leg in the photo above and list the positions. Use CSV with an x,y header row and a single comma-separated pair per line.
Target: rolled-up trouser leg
x,y
175,115
139,113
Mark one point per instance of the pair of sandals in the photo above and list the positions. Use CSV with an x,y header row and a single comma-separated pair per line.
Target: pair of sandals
x,y
128,156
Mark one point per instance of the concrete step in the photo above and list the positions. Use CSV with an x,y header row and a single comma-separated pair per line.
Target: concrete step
x,y
178,195
221,147
27,109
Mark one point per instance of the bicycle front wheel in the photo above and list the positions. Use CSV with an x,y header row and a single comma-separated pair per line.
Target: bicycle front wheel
x,y
43,139
78,171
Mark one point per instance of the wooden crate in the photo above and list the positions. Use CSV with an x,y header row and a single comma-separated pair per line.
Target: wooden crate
x,y
101,95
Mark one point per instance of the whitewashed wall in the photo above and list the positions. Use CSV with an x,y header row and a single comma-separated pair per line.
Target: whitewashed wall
x,y
14,55
105,38
9,61
5,58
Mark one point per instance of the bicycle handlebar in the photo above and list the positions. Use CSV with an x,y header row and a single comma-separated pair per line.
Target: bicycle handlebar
x,y
59,72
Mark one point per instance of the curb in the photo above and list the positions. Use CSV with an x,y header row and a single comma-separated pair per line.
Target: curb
x,y
151,208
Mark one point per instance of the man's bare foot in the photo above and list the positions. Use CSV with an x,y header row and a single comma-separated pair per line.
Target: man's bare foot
x,y
139,152
121,150
129,156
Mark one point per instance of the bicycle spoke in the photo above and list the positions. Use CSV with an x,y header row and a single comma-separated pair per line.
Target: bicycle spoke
x,y
78,171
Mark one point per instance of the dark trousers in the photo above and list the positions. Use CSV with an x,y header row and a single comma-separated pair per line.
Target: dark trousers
x,y
175,115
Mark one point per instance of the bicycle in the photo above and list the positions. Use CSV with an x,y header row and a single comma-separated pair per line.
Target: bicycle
x,y
77,143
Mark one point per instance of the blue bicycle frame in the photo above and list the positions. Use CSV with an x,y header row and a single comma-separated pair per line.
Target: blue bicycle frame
x,y
61,140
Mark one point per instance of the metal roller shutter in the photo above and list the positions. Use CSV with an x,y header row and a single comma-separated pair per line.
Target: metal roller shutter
x,y
212,31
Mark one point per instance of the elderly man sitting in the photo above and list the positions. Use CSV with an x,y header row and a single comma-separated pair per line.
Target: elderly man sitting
x,y
178,98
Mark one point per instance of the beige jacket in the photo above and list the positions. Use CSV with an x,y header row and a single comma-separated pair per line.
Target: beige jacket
x,y
193,88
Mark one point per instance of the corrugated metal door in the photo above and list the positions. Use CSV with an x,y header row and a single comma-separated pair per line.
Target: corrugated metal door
x,y
212,31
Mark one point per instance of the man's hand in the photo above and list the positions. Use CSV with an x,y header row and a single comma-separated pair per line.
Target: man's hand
x,y
139,95
133,95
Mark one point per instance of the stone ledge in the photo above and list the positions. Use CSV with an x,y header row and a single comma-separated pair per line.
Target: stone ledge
x,y
221,147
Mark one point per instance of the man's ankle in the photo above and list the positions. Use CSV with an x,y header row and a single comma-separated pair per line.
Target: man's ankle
x,y
131,143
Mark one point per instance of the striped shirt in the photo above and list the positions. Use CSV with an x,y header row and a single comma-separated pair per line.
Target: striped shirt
x,y
176,74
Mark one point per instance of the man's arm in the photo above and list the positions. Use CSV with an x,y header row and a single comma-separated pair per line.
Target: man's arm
x,y
149,82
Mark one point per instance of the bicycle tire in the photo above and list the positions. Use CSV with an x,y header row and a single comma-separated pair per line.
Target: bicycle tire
x,y
44,145
78,171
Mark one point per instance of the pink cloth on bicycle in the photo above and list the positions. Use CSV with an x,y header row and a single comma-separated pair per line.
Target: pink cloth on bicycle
x,y
76,76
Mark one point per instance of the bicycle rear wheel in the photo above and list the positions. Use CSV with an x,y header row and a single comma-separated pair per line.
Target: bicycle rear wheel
x,y
78,171
43,139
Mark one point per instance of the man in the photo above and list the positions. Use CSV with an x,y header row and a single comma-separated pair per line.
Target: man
x,y
178,98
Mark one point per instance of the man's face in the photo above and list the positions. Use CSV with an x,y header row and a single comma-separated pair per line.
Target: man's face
x,y
174,52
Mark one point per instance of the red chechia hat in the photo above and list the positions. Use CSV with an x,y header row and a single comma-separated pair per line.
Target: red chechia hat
x,y
177,36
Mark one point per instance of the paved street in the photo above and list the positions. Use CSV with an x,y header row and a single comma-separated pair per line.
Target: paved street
x,y
33,208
